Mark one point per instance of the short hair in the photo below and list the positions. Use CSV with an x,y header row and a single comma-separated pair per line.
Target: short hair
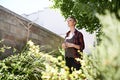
x,y
72,17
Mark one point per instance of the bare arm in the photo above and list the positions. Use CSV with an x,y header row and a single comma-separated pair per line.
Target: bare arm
x,y
72,45
64,45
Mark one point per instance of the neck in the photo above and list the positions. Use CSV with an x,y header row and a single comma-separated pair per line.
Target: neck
x,y
72,29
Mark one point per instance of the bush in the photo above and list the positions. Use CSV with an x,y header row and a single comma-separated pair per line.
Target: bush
x,y
31,64
103,64
23,66
57,70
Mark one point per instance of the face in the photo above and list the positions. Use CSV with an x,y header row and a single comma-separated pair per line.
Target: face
x,y
71,22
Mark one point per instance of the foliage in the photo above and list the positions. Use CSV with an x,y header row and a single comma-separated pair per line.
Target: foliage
x,y
31,64
57,70
3,47
85,12
23,66
103,64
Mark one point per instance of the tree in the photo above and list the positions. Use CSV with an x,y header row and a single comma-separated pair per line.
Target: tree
x,y
85,11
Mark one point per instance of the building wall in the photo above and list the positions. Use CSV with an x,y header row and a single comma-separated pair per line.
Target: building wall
x,y
14,33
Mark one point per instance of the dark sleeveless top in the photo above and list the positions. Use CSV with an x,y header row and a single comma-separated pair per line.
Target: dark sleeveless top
x,y
69,52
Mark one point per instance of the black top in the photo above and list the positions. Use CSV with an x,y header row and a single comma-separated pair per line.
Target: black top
x,y
69,52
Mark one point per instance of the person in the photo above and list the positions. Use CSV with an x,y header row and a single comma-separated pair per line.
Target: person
x,y
73,43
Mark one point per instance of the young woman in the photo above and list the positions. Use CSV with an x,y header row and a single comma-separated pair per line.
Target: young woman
x,y
73,42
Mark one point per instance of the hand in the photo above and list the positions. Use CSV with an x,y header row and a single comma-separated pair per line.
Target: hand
x,y
69,44
64,45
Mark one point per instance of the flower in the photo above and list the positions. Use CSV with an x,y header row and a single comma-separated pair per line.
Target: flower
x,y
30,43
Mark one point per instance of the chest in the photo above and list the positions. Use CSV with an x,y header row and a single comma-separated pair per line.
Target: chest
x,y
72,38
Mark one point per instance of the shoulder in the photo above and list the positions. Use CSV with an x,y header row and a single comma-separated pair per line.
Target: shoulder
x,y
78,33
67,34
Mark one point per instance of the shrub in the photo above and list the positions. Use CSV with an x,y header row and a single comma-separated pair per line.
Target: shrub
x,y
103,64
23,66
31,64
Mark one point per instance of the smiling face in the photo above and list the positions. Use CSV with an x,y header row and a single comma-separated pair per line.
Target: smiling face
x,y
71,22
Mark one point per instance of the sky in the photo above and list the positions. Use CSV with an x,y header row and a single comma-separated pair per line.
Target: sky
x,y
25,6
